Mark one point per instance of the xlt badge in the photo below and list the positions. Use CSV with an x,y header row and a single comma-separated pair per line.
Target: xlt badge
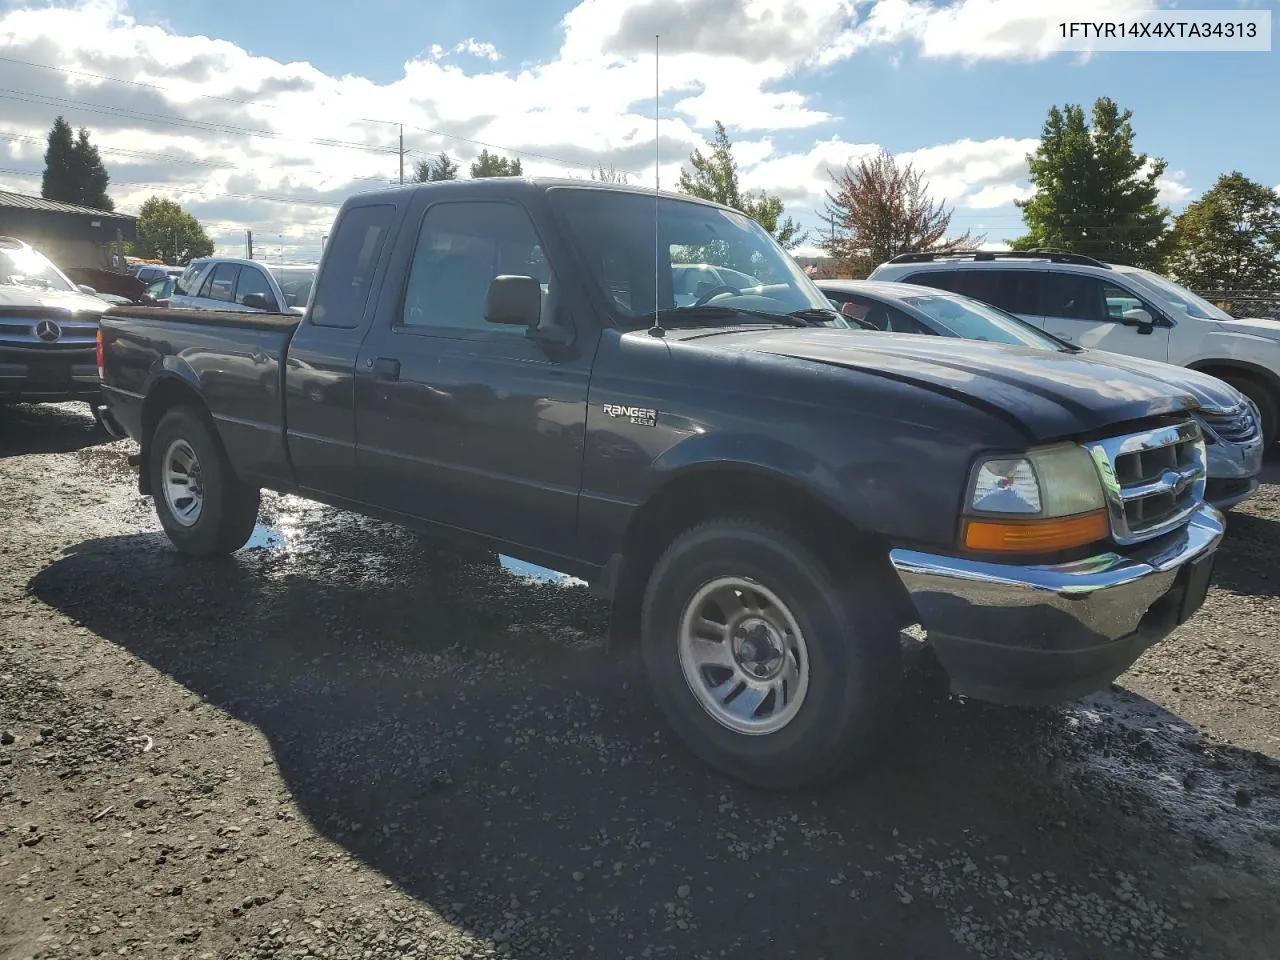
x,y
641,416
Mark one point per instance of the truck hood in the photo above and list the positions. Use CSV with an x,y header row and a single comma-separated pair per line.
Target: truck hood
x,y
1049,395
12,295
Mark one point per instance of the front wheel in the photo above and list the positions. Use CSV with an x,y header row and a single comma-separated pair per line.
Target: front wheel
x,y
202,505
770,665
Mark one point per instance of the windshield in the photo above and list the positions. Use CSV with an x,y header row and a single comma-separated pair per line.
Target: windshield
x,y
1162,288
705,255
26,268
974,320
295,283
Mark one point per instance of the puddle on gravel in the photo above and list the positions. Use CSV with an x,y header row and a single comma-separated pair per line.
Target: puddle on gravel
x,y
295,525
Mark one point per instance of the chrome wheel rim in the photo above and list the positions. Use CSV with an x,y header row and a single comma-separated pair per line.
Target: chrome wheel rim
x,y
743,656
183,483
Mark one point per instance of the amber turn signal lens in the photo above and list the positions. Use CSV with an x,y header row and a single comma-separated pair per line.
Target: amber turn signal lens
x,y
1036,536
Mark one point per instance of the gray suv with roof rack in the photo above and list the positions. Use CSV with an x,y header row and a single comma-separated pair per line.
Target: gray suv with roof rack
x,y
1110,306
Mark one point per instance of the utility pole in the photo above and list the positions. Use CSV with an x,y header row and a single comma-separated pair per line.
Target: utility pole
x,y
402,154
248,244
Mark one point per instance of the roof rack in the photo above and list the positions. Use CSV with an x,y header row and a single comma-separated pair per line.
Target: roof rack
x,y
1053,256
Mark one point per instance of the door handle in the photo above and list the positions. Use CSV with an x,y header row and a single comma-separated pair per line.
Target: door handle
x,y
385,368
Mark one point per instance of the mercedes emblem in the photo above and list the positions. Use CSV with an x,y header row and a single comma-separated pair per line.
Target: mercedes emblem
x,y
48,331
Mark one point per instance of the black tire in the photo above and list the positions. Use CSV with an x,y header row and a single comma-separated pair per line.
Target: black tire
x,y
229,508
1265,401
851,639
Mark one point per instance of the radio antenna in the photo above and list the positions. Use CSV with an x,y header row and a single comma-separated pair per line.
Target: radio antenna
x,y
656,330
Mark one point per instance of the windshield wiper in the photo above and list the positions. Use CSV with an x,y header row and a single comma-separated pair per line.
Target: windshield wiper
x,y
710,311
815,313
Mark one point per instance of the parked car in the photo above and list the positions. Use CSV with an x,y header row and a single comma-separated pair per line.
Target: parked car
x,y
159,292
227,283
765,502
1228,419
48,331
149,272
1091,303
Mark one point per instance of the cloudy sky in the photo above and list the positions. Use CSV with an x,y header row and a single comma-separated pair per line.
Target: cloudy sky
x,y
264,115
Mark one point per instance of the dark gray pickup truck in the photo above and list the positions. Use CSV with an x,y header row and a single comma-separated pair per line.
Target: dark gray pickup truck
x,y
766,496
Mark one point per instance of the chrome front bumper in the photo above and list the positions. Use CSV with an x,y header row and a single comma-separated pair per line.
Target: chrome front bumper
x,y
1043,634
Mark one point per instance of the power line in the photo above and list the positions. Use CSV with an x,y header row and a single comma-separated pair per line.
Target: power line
x,y
257,103
41,99
218,196
216,164
158,86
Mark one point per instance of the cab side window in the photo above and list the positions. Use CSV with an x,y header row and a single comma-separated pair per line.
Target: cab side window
x,y
462,246
342,287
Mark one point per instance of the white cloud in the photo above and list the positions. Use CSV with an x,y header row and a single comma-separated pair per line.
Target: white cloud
x,y
1174,188
974,30
179,126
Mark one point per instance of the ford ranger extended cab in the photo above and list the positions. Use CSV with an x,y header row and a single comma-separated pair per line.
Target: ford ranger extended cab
x,y
765,495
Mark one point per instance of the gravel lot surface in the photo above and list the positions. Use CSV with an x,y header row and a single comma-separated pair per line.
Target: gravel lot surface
x,y
346,742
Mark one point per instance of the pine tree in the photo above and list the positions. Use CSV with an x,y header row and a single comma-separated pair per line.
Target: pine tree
x,y
73,170
93,175
492,165
60,181
1229,239
715,178
1094,194
440,167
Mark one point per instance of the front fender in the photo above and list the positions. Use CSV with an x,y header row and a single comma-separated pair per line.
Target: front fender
x,y
766,457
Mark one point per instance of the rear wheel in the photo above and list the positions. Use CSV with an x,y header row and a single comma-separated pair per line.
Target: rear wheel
x,y
1265,401
768,663
202,505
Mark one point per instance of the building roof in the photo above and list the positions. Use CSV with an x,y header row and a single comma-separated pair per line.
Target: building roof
x,y
24,202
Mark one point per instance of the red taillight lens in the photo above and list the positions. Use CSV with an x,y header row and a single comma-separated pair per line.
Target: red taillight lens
x,y
99,353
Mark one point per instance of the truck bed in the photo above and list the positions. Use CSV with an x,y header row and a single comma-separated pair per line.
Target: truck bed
x,y
232,361
210,318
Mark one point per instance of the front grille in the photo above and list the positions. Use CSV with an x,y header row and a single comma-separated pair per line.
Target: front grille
x,y
1153,480
1237,425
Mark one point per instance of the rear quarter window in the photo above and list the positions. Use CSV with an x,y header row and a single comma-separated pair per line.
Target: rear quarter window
x,y
345,279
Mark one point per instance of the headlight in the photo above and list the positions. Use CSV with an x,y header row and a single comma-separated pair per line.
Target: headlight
x,y
1047,500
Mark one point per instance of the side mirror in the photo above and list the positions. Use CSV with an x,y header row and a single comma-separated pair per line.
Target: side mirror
x,y
87,289
259,301
147,300
514,300
1138,317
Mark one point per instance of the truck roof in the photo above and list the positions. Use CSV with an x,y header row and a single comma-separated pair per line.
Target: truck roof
x,y
515,186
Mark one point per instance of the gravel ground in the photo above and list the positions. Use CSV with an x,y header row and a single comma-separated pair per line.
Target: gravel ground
x,y
345,742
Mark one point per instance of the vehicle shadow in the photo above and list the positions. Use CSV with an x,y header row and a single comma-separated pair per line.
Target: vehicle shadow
x,y
48,428
465,733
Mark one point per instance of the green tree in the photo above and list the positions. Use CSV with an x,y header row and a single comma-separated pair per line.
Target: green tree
x,y
492,165
881,210
440,167
73,170
1094,194
167,232
715,177
1229,239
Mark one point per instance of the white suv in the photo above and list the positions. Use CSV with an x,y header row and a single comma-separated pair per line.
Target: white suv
x,y
1106,306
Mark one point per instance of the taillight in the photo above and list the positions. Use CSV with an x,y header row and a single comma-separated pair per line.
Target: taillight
x,y
99,353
